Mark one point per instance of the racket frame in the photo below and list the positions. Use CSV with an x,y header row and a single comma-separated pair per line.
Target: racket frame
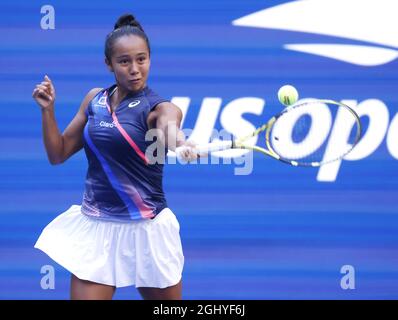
x,y
267,127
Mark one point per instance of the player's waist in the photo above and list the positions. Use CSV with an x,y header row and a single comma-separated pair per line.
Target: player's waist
x,y
120,212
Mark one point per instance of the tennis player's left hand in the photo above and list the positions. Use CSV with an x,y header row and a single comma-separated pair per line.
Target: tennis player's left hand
x,y
44,94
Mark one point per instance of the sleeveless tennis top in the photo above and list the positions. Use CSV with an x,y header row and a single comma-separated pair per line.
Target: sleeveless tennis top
x,y
121,183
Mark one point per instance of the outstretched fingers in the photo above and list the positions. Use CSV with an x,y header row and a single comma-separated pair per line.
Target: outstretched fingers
x,y
49,84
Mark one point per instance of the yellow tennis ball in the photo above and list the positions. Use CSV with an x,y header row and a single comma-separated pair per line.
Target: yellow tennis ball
x,y
287,95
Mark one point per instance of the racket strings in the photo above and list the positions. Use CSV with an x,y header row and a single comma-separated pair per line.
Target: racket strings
x,y
314,133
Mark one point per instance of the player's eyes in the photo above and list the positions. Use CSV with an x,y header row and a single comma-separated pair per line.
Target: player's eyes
x,y
141,59
124,61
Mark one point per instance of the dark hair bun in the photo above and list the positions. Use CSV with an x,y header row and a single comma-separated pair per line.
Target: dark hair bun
x,y
127,20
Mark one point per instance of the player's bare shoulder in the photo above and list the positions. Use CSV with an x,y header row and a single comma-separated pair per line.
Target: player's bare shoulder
x,y
167,110
92,93
89,96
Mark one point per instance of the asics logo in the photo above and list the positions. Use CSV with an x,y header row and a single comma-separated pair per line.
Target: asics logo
x,y
134,103
371,21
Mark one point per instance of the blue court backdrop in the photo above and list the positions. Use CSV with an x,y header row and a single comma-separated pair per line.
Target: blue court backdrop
x,y
276,232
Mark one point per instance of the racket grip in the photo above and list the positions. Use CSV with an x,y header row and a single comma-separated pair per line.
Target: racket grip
x,y
214,146
210,147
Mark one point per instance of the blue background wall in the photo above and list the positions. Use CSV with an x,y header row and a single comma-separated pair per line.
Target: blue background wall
x,y
277,233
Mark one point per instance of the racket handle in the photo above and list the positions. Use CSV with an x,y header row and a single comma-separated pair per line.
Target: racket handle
x,y
210,147
214,146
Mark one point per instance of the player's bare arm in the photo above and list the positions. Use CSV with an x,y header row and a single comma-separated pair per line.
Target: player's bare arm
x,y
59,146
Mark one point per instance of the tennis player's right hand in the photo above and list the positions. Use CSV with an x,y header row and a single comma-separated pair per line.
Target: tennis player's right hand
x,y
188,152
44,94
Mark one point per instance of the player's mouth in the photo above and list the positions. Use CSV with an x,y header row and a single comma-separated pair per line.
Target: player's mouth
x,y
134,81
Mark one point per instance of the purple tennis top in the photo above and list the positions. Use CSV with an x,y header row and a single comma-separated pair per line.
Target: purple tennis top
x,y
121,184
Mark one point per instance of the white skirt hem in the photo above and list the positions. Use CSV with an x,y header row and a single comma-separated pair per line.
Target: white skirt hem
x,y
145,253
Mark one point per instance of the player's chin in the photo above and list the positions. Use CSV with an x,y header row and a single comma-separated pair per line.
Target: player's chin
x,y
135,85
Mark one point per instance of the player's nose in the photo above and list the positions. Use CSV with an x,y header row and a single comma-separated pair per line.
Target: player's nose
x,y
133,69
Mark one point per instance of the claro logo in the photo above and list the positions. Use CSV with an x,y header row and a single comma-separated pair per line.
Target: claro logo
x,y
107,124
382,126
371,26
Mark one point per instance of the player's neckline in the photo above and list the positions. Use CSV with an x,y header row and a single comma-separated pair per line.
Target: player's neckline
x,y
128,96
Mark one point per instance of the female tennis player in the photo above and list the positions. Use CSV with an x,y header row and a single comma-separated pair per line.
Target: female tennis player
x,y
123,233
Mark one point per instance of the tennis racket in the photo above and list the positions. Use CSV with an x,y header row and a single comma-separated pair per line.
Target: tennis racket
x,y
309,133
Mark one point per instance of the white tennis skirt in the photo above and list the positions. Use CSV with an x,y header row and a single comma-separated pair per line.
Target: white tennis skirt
x,y
144,253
